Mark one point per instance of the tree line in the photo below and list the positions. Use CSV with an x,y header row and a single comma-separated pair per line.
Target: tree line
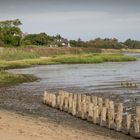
x,y
11,35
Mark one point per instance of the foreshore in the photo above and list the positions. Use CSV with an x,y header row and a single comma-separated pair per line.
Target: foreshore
x,y
26,117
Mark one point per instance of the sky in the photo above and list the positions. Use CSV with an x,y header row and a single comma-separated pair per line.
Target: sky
x,y
73,19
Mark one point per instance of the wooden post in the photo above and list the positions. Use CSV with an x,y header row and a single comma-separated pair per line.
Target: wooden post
x,y
103,116
90,112
66,101
45,97
61,93
88,101
107,103
100,102
100,105
70,102
74,105
127,124
119,117
58,101
94,100
50,99
137,123
53,100
83,107
79,105
111,115
95,117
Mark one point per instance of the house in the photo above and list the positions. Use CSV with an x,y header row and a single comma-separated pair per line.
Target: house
x,y
65,42
59,41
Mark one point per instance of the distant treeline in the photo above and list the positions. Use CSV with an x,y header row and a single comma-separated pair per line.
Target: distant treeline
x,y
11,35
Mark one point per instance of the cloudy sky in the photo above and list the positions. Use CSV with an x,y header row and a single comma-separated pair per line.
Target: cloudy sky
x,y
86,19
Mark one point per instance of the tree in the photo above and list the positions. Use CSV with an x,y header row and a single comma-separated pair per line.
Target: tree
x,y
37,39
132,44
10,33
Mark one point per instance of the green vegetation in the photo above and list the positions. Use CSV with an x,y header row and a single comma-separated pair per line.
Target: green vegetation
x,y
10,54
132,44
41,39
66,59
10,33
95,58
98,43
8,79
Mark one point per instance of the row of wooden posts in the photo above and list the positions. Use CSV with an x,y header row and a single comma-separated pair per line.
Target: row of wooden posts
x,y
97,110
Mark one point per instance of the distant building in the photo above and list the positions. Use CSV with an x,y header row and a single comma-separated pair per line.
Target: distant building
x,y
60,42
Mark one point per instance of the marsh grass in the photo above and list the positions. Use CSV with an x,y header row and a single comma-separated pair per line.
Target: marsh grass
x,y
8,79
98,58
66,59
9,54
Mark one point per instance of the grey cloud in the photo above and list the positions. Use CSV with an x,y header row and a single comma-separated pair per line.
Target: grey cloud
x,y
76,18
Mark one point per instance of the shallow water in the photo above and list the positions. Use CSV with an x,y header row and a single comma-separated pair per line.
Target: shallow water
x,y
87,76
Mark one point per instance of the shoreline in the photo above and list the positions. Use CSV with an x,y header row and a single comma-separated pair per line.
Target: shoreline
x,y
29,104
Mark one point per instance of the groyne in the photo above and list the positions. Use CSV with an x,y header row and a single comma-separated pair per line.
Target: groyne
x,y
97,110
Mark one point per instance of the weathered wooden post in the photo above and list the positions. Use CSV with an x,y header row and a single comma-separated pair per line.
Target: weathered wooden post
x,y
66,101
70,102
100,105
111,115
137,123
58,101
53,100
100,102
103,116
127,123
79,105
88,101
90,112
45,97
94,100
83,107
61,93
107,103
48,99
74,105
95,117
119,117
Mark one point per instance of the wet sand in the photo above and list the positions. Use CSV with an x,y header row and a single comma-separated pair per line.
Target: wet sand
x,y
43,122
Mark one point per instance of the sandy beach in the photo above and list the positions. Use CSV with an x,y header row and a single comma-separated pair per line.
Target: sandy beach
x,y
17,127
